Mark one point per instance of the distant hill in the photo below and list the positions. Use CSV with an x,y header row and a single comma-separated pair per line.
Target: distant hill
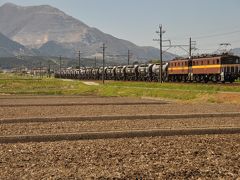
x,y
55,33
37,61
9,48
236,51
52,48
34,61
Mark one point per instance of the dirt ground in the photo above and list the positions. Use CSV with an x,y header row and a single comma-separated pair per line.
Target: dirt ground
x,y
185,157
175,157
94,110
114,125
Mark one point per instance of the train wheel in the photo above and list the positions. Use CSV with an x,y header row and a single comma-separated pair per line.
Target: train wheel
x,y
218,78
206,80
231,79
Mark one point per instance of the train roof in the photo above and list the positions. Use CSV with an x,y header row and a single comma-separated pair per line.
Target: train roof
x,y
205,56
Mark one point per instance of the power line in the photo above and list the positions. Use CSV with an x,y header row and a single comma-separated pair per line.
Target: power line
x,y
208,36
235,41
217,35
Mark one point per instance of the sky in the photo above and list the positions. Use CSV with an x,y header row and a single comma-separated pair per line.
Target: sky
x,y
208,22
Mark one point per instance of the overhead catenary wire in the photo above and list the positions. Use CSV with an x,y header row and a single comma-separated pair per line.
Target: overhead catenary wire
x,y
217,35
209,36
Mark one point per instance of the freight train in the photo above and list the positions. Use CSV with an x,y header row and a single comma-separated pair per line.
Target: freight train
x,y
204,68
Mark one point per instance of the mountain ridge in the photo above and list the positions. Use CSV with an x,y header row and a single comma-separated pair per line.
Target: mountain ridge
x,y
9,48
36,26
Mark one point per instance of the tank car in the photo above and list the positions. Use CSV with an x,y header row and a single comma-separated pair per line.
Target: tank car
x,y
95,73
110,73
156,69
131,72
120,73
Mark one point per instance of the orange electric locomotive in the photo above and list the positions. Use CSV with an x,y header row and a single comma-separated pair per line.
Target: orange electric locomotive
x,y
216,68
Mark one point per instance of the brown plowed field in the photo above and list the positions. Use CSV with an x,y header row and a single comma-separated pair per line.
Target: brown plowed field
x,y
114,125
94,110
176,157
184,157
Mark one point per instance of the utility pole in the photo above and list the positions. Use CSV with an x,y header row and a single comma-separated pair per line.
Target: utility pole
x,y
49,69
128,57
190,48
190,60
160,72
79,63
103,73
192,45
160,32
40,70
60,66
95,62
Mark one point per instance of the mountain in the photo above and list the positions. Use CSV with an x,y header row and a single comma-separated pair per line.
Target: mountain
x,y
55,33
53,48
236,51
9,48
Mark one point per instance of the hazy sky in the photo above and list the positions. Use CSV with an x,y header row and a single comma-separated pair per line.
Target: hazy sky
x,y
209,22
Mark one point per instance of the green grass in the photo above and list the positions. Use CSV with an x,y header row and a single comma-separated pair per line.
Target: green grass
x,y
198,87
45,86
15,84
142,92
